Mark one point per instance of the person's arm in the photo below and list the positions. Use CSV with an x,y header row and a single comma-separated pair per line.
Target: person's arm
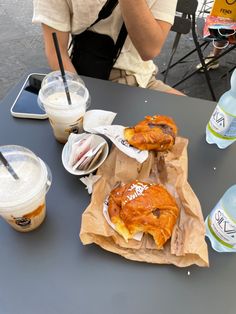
x,y
63,39
147,34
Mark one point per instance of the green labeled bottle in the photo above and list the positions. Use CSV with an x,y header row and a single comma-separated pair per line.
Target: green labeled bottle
x,y
221,129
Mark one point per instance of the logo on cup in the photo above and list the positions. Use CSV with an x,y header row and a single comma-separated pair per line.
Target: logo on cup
x,y
23,222
77,127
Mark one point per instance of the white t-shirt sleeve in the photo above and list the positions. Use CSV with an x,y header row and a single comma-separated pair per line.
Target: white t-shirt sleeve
x,y
164,10
54,13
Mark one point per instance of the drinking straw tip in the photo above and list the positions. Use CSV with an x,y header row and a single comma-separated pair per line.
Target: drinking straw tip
x,y
54,35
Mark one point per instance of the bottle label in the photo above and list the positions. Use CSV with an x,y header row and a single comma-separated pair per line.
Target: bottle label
x,y
222,226
222,124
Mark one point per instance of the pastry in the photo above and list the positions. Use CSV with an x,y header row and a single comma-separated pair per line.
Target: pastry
x,y
153,133
140,206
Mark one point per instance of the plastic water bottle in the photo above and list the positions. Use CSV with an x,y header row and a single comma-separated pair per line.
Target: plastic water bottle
x,y
221,129
221,223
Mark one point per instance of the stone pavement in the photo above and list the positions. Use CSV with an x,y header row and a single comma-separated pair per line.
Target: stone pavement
x,y
21,44
21,49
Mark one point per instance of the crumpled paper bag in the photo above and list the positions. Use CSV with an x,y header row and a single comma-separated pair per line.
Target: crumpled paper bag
x,y
187,245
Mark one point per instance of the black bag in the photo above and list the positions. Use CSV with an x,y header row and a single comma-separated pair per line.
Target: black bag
x,y
94,54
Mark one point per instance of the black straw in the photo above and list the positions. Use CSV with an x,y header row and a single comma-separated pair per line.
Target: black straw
x,y
8,166
54,35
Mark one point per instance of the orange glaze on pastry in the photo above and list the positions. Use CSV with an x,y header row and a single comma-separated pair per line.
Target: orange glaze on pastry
x,y
140,206
153,133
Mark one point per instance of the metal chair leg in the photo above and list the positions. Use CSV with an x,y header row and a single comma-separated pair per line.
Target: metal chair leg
x,y
200,55
174,47
205,43
194,72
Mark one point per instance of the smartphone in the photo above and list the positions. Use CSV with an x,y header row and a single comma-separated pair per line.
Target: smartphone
x,y
26,102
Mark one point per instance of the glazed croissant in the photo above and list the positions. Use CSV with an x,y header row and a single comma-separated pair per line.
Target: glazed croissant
x,y
140,206
153,133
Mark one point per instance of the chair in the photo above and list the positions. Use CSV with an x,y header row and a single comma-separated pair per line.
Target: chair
x,y
183,24
205,8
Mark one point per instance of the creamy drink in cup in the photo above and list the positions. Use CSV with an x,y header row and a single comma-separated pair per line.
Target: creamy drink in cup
x,y
23,201
64,118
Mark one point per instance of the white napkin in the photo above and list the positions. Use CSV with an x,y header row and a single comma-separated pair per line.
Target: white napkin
x,y
95,118
89,181
116,134
99,122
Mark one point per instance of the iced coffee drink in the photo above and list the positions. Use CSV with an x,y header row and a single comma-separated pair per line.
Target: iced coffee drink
x,y
64,118
23,201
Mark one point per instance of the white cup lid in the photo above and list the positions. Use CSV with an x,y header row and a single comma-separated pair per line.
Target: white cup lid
x,y
32,175
56,76
53,94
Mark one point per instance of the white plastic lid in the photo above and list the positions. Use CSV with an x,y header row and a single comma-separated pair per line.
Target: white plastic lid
x,y
53,95
32,174
56,76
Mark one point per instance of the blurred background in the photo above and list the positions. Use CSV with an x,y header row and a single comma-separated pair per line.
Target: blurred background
x,y
21,49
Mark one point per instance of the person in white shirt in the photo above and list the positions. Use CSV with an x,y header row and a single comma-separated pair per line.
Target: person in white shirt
x,y
148,23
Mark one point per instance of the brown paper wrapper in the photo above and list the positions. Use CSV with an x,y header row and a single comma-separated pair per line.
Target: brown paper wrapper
x,y
187,245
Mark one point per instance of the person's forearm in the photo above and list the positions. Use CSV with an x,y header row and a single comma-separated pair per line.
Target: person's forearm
x,y
63,40
147,34
54,65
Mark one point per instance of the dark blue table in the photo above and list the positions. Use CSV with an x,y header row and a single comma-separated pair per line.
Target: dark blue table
x,y
50,271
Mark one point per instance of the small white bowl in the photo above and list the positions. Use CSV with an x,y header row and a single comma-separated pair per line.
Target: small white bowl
x,y
97,140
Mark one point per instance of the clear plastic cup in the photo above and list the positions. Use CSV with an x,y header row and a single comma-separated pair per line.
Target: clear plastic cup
x,y
64,118
23,201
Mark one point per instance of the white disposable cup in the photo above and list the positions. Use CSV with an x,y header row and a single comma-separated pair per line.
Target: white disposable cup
x,y
24,204
64,118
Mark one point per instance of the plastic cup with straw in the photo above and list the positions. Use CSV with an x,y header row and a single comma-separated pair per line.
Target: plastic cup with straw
x,y
23,201
65,101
